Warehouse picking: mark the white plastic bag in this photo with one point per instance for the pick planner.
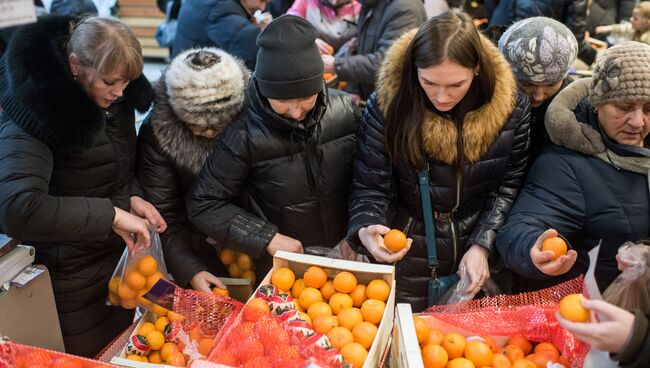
(631, 289)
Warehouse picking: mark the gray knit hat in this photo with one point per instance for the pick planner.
(539, 49)
(621, 74)
(206, 86)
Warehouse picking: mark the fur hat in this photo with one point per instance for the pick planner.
(206, 86)
(621, 74)
(539, 49)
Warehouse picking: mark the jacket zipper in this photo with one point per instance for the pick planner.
(459, 180)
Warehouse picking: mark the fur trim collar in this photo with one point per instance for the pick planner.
(186, 150)
(38, 92)
(481, 127)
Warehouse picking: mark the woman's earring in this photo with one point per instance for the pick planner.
(476, 74)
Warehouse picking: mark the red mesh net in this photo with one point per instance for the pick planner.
(24, 356)
(209, 311)
(529, 315)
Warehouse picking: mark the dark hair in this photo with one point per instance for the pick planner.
(432, 45)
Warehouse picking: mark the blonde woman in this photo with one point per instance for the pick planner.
(638, 29)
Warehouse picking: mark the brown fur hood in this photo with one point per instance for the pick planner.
(481, 127)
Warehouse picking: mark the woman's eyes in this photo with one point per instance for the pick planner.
(110, 83)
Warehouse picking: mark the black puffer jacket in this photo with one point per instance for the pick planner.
(484, 179)
(64, 164)
(270, 174)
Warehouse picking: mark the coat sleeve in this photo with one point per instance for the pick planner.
(499, 202)
(401, 17)
(625, 9)
(235, 35)
(212, 205)
(29, 213)
(161, 187)
(551, 198)
(636, 353)
(371, 177)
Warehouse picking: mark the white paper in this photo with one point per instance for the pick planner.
(15, 12)
(28, 274)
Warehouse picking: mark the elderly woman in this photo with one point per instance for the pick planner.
(593, 186)
(540, 51)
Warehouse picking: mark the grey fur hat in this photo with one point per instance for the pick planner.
(539, 49)
(206, 87)
(621, 74)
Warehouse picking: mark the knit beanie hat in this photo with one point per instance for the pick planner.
(206, 86)
(288, 62)
(621, 74)
(539, 49)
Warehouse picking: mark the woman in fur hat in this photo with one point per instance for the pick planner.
(592, 187)
(200, 93)
(67, 152)
(447, 113)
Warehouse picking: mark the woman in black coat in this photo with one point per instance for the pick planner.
(196, 98)
(458, 116)
(592, 188)
(67, 152)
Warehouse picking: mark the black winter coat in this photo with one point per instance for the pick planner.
(220, 23)
(64, 164)
(582, 197)
(636, 353)
(482, 182)
(270, 174)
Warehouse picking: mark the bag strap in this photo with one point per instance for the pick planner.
(427, 212)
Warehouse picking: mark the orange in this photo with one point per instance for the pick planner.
(354, 353)
(155, 339)
(350, 317)
(205, 345)
(500, 361)
(434, 356)
(421, 329)
(160, 311)
(227, 256)
(395, 240)
(141, 299)
(244, 262)
(175, 317)
(435, 337)
(196, 334)
(318, 309)
(147, 265)
(145, 328)
(296, 303)
(297, 288)
(137, 358)
(461, 363)
(524, 344)
(283, 278)
(161, 323)
(491, 343)
(114, 284)
(358, 295)
(547, 347)
(113, 299)
(167, 349)
(305, 317)
(572, 310)
(220, 291)
(323, 324)
(345, 282)
(125, 292)
(378, 289)
(373, 310)
(340, 301)
(176, 360)
(249, 274)
(309, 296)
(315, 277)
(255, 309)
(513, 352)
(364, 333)
(556, 245)
(455, 344)
(328, 289)
(523, 363)
(234, 270)
(340, 336)
(541, 359)
(129, 303)
(154, 357)
(479, 353)
(153, 279)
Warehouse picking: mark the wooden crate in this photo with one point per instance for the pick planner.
(143, 16)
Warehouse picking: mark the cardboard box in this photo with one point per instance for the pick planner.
(238, 289)
(364, 272)
(121, 359)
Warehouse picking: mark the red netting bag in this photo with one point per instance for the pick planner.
(528, 315)
(14, 355)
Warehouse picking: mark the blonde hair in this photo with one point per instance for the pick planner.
(106, 44)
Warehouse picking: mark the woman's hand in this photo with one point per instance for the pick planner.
(204, 280)
(324, 48)
(474, 265)
(611, 334)
(283, 242)
(145, 209)
(128, 225)
(543, 260)
(603, 29)
(372, 238)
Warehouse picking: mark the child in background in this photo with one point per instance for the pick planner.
(637, 30)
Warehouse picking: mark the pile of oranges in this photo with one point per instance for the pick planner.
(239, 265)
(345, 310)
(454, 350)
(140, 275)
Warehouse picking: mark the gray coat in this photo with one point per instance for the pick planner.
(380, 23)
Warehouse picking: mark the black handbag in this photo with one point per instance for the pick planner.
(438, 286)
(166, 32)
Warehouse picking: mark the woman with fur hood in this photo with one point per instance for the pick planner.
(447, 115)
(67, 152)
(200, 93)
